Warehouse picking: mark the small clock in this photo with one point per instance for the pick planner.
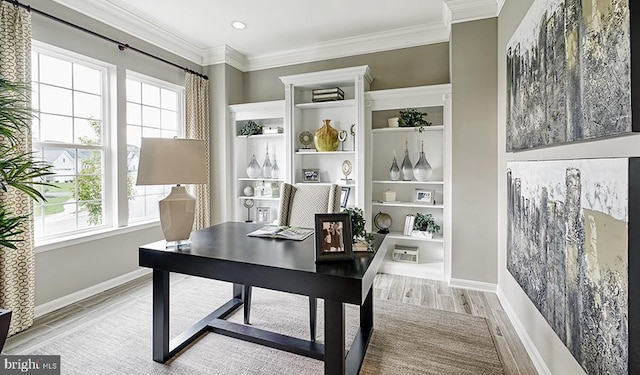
(305, 138)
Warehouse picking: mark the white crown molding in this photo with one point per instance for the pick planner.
(470, 10)
(500, 5)
(120, 18)
(369, 43)
(335, 75)
(224, 54)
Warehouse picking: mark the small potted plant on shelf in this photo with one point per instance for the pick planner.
(425, 225)
(251, 128)
(413, 118)
(360, 235)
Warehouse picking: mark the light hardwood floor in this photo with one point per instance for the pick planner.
(433, 294)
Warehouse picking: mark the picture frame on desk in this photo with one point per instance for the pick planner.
(310, 175)
(425, 196)
(333, 237)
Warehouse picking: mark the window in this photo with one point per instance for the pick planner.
(154, 109)
(69, 101)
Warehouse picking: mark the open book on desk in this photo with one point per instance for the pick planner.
(282, 232)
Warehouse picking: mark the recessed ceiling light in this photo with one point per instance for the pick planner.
(238, 25)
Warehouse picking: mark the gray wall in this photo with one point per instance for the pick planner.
(408, 67)
(474, 138)
(66, 270)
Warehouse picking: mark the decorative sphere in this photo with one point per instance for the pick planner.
(248, 191)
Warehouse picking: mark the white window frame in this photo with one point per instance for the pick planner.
(181, 127)
(108, 146)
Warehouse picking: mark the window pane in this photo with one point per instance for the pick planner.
(134, 136)
(150, 95)
(134, 93)
(169, 120)
(59, 218)
(87, 105)
(35, 96)
(136, 208)
(169, 99)
(152, 206)
(63, 161)
(151, 133)
(87, 79)
(55, 71)
(151, 117)
(55, 100)
(169, 133)
(90, 214)
(90, 164)
(134, 114)
(56, 128)
(87, 132)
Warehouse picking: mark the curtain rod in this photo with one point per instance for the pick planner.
(121, 46)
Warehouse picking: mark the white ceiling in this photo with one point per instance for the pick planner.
(282, 32)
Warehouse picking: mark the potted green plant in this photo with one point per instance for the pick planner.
(413, 118)
(18, 170)
(360, 235)
(251, 128)
(426, 225)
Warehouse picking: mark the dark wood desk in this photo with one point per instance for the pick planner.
(224, 252)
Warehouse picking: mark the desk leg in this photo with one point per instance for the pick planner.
(334, 352)
(160, 316)
(366, 314)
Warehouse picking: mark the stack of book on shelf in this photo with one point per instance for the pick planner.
(324, 95)
(409, 220)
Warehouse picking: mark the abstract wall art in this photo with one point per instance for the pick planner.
(572, 249)
(569, 73)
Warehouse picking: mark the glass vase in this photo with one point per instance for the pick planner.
(253, 169)
(275, 170)
(422, 170)
(266, 167)
(326, 138)
(407, 168)
(394, 172)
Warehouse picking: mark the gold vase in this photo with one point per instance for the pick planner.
(326, 138)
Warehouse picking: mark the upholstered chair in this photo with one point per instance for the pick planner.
(298, 206)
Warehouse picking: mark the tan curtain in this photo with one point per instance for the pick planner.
(17, 267)
(197, 119)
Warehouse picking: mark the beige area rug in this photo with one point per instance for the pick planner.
(407, 339)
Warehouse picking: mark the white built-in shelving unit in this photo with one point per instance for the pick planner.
(382, 143)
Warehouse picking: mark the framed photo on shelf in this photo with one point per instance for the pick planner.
(262, 214)
(425, 196)
(333, 237)
(310, 175)
(344, 196)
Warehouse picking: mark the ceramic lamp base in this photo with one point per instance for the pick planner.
(177, 213)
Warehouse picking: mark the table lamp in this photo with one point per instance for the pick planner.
(166, 161)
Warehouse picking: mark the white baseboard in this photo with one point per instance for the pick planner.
(69, 299)
(473, 285)
(529, 346)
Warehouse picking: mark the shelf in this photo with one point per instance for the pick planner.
(433, 271)
(258, 136)
(411, 129)
(400, 236)
(408, 204)
(259, 198)
(408, 182)
(326, 153)
(259, 179)
(328, 104)
(325, 183)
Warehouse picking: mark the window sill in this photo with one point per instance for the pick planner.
(62, 242)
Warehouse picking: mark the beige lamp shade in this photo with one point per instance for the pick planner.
(165, 161)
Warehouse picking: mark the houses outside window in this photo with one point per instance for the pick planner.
(69, 98)
(154, 109)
